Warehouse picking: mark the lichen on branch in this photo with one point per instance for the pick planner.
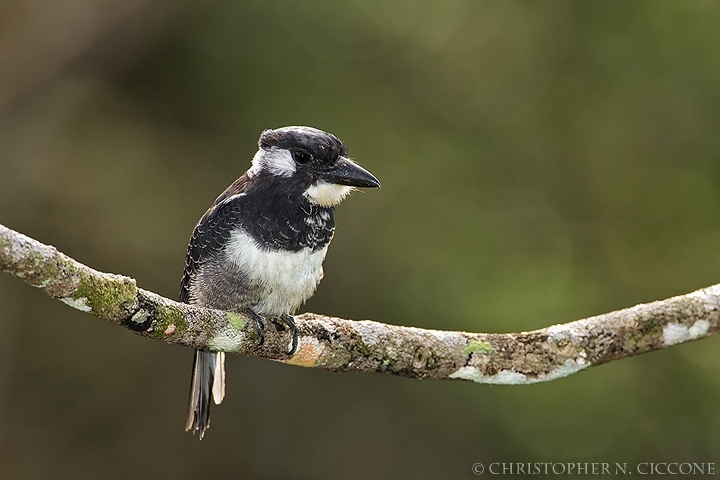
(366, 346)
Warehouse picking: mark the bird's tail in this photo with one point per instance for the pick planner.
(208, 376)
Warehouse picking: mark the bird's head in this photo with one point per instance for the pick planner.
(313, 161)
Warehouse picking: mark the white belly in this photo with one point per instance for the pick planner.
(285, 279)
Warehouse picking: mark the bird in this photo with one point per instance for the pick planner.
(258, 250)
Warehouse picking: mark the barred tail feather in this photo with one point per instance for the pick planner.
(218, 388)
(208, 378)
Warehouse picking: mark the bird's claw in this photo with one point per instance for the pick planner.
(258, 323)
(290, 322)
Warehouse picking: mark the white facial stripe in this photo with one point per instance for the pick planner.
(327, 194)
(287, 279)
(277, 161)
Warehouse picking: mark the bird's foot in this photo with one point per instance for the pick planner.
(258, 323)
(290, 322)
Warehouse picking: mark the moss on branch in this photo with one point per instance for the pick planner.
(345, 345)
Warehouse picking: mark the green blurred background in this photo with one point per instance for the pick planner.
(541, 162)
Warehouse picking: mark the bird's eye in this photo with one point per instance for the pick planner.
(301, 157)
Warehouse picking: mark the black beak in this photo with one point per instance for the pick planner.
(347, 172)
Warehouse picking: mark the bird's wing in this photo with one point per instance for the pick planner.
(212, 232)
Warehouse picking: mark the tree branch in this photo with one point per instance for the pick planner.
(361, 346)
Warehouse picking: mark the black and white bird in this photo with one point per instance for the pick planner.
(259, 248)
